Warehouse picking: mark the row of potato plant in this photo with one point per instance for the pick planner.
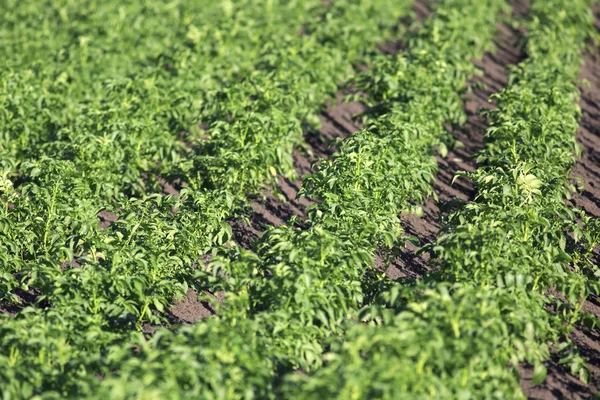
(93, 110)
(515, 265)
(57, 183)
(83, 120)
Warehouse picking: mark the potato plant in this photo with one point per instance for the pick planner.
(315, 279)
(110, 148)
(105, 102)
(300, 287)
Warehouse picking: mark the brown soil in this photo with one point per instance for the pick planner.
(107, 218)
(192, 308)
(24, 299)
(588, 137)
(558, 384)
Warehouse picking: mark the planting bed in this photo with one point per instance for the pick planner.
(293, 226)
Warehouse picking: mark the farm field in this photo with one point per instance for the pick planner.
(254, 199)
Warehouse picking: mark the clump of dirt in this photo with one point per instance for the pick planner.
(24, 298)
(558, 384)
(107, 218)
(191, 308)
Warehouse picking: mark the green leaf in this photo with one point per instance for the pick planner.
(159, 306)
(539, 374)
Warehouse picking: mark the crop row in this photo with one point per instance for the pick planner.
(93, 105)
(451, 335)
(54, 182)
(515, 267)
(116, 137)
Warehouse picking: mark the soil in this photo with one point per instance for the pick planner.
(192, 308)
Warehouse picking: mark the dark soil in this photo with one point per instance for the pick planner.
(191, 308)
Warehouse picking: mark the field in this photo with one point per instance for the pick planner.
(256, 199)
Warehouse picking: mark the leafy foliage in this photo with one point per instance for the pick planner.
(512, 281)
(303, 285)
(98, 129)
(103, 104)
